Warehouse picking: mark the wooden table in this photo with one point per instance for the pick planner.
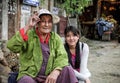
(88, 29)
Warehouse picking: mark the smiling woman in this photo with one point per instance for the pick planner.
(78, 53)
(43, 58)
(45, 25)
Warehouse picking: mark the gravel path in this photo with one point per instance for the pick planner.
(104, 61)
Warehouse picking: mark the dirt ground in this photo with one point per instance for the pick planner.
(104, 61)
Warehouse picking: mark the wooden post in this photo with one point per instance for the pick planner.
(4, 20)
(17, 16)
(98, 9)
(49, 4)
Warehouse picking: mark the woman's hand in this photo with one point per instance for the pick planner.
(52, 78)
(33, 20)
(87, 81)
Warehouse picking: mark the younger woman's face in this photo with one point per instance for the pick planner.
(71, 39)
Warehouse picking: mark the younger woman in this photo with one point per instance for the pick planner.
(77, 53)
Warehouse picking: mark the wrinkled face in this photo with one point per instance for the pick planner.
(45, 24)
(71, 39)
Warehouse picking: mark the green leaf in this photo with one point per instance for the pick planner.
(74, 6)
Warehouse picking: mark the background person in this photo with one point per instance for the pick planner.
(78, 53)
(43, 58)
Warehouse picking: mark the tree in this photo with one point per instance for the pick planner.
(71, 6)
(74, 7)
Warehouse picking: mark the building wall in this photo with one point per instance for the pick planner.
(0, 18)
(4, 30)
(13, 23)
(11, 26)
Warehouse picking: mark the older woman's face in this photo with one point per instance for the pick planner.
(45, 24)
(71, 39)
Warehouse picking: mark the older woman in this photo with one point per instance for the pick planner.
(43, 58)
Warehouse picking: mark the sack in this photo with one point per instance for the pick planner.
(12, 77)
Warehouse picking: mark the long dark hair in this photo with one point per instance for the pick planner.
(76, 32)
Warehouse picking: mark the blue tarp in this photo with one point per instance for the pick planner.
(103, 25)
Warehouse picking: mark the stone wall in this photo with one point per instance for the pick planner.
(8, 62)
